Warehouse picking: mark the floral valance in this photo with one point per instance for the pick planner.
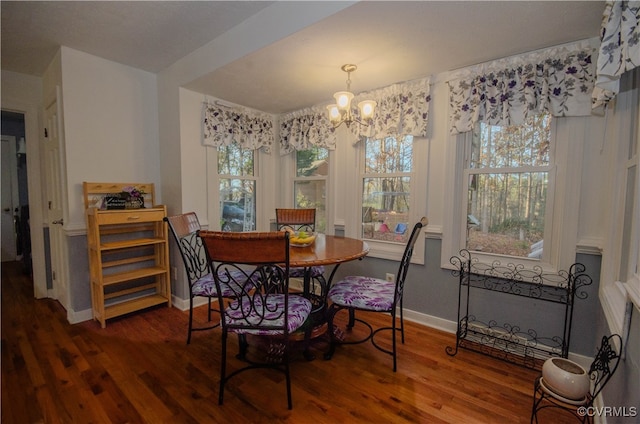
(558, 80)
(305, 128)
(619, 48)
(250, 129)
(403, 109)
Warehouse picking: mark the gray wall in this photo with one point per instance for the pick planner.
(433, 291)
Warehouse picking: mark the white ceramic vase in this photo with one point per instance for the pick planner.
(566, 378)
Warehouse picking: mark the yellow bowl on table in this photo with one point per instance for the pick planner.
(301, 238)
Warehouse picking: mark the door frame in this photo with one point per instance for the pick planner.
(13, 191)
(33, 133)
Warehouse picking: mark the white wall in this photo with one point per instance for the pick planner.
(110, 125)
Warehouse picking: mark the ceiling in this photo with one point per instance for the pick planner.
(390, 41)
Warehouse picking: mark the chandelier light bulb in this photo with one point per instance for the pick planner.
(340, 112)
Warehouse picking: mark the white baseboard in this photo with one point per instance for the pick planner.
(74, 317)
(431, 321)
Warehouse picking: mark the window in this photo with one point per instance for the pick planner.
(507, 178)
(538, 215)
(620, 280)
(310, 183)
(237, 188)
(386, 189)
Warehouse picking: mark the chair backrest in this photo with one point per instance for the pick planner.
(255, 265)
(406, 258)
(296, 219)
(604, 364)
(184, 228)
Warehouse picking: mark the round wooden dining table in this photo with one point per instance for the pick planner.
(326, 250)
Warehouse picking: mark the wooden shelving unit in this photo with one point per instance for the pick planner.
(128, 253)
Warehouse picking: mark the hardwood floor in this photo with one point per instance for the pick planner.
(140, 370)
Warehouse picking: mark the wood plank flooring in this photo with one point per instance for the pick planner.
(140, 370)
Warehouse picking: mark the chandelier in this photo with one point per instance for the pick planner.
(341, 112)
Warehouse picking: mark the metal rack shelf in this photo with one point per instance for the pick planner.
(507, 341)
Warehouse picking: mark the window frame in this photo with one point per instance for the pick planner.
(617, 294)
(567, 134)
(213, 188)
(417, 203)
(550, 168)
(325, 178)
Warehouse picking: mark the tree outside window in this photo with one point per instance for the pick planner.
(312, 168)
(386, 188)
(507, 175)
(237, 186)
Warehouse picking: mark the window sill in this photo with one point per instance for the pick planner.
(394, 251)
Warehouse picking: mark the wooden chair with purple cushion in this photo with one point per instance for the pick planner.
(256, 266)
(299, 219)
(360, 293)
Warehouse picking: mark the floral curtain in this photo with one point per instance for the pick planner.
(304, 128)
(250, 129)
(403, 109)
(505, 92)
(619, 48)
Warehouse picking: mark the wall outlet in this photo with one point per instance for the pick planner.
(390, 277)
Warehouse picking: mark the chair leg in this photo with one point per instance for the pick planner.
(401, 322)
(223, 367)
(331, 313)
(287, 374)
(393, 340)
(190, 329)
(209, 309)
(352, 319)
(242, 347)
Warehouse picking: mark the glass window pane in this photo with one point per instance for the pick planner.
(385, 208)
(506, 213)
(388, 155)
(312, 162)
(311, 194)
(237, 205)
(232, 160)
(512, 146)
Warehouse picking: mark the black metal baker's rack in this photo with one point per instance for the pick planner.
(506, 341)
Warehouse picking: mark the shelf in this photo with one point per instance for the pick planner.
(132, 275)
(506, 341)
(133, 305)
(127, 244)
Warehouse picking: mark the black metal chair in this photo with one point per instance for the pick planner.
(600, 372)
(359, 293)
(256, 266)
(184, 228)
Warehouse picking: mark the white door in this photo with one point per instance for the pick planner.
(53, 169)
(10, 200)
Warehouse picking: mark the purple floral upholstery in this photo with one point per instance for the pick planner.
(205, 286)
(299, 309)
(316, 271)
(359, 292)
